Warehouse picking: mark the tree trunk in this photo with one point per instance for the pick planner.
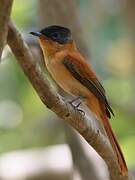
(62, 12)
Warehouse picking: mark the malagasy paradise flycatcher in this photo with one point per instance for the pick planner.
(75, 76)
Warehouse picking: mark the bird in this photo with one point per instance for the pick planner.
(74, 75)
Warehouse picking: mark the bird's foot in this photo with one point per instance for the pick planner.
(76, 107)
(81, 111)
(73, 100)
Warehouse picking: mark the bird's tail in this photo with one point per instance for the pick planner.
(95, 107)
(115, 146)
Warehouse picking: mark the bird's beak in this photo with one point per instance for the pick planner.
(38, 34)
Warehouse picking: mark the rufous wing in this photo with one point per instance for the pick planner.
(83, 73)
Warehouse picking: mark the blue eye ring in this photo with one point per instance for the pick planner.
(55, 35)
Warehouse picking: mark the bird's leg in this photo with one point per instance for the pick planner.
(80, 110)
(73, 100)
(77, 106)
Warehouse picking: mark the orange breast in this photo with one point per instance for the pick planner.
(65, 80)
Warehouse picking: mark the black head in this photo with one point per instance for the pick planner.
(59, 34)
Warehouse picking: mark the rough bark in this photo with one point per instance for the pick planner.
(82, 161)
(5, 10)
(52, 12)
(86, 126)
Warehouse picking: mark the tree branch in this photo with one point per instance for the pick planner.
(82, 161)
(86, 126)
(5, 9)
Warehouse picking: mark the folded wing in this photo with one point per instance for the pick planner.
(82, 72)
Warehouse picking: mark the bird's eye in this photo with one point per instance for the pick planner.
(56, 35)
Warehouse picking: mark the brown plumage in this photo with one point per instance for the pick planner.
(74, 75)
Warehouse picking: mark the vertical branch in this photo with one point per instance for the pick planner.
(63, 13)
(86, 126)
(5, 10)
(128, 17)
(60, 12)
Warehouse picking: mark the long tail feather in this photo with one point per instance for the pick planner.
(97, 109)
(115, 146)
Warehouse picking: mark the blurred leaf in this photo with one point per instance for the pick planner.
(24, 13)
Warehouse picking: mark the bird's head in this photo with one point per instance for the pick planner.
(54, 38)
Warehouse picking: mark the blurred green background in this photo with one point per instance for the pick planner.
(110, 39)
